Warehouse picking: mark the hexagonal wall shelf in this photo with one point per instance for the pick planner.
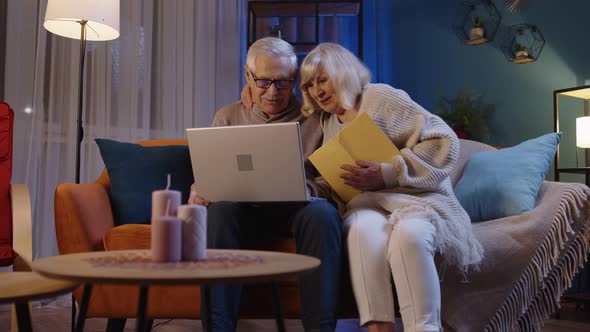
(523, 43)
(477, 22)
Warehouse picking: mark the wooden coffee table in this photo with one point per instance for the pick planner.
(134, 267)
(21, 287)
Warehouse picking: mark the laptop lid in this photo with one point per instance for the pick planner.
(253, 163)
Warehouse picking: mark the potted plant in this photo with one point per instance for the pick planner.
(477, 31)
(466, 114)
(521, 51)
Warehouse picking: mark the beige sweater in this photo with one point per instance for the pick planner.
(236, 115)
(417, 181)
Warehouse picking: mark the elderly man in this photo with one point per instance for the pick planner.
(271, 69)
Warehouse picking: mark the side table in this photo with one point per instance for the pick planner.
(21, 287)
(135, 267)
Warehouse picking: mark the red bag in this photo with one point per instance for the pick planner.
(7, 255)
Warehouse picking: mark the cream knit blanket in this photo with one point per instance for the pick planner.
(530, 261)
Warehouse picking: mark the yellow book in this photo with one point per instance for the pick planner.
(361, 139)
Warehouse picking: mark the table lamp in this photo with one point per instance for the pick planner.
(94, 20)
(582, 134)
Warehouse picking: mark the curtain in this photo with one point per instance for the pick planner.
(175, 63)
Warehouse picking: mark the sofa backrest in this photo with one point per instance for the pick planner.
(467, 149)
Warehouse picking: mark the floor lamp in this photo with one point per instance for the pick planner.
(94, 20)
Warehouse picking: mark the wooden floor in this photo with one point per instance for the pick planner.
(57, 318)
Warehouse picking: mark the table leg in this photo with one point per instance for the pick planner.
(150, 325)
(278, 309)
(23, 317)
(73, 313)
(142, 309)
(205, 308)
(84, 307)
(116, 324)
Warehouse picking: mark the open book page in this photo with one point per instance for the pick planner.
(361, 139)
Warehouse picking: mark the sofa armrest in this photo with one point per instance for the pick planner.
(83, 215)
(22, 227)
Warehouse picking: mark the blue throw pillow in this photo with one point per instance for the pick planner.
(502, 183)
(135, 171)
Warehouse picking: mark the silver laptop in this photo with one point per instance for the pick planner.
(254, 163)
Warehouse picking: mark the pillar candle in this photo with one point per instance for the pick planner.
(166, 227)
(166, 239)
(194, 232)
(160, 199)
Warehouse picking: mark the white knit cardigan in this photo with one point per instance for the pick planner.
(417, 181)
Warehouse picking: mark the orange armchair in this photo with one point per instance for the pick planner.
(84, 222)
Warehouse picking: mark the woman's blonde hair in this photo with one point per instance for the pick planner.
(348, 74)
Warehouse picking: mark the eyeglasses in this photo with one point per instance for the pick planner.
(264, 83)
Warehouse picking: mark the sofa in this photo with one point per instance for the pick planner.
(488, 299)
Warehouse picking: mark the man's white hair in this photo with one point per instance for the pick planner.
(271, 46)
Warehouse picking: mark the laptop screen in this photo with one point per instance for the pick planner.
(254, 163)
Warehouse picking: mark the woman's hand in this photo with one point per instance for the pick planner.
(194, 198)
(246, 97)
(366, 177)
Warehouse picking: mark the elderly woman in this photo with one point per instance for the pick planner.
(407, 211)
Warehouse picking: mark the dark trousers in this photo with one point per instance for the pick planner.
(317, 230)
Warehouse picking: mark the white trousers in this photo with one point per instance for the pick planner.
(405, 251)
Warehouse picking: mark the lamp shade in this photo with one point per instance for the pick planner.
(62, 16)
(583, 132)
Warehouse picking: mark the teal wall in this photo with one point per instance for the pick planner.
(411, 44)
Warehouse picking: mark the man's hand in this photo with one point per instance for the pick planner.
(194, 198)
(246, 97)
(366, 177)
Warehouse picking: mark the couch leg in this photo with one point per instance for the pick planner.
(116, 324)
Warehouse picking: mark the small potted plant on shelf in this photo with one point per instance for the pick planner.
(477, 31)
(466, 114)
(521, 51)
